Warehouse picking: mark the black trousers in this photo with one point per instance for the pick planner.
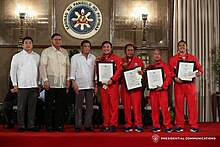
(54, 106)
(39, 113)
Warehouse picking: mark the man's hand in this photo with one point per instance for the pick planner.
(198, 74)
(178, 80)
(76, 89)
(14, 90)
(67, 86)
(109, 82)
(159, 88)
(95, 89)
(98, 58)
(124, 64)
(140, 72)
(39, 88)
(46, 85)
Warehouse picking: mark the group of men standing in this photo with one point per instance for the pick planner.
(55, 72)
(29, 71)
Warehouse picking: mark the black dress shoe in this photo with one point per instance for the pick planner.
(104, 129)
(112, 128)
(59, 129)
(21, 129)
(38, 127)
(49, 129)
(89, 129)
(77, 129)
(34, 129)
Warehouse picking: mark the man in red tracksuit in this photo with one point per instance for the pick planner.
(159, 96)
(109, 91)
(131, 98)
(184, 90)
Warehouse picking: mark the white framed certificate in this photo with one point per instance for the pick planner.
(185, 70)
(155, 78)
(132, 78)
(105, 71)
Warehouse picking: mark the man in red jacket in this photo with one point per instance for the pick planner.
(109, 91)
(131, 98)
(185, 90)
(159, 96)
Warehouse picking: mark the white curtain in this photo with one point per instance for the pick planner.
(197, 22)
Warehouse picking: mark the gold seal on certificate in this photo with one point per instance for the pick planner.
(186, 70)
(105, 71)
(155, 78)
(132, 78)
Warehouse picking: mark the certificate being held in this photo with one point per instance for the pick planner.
(155, 78)
(105, 71)
(132, 78)
(186, 70)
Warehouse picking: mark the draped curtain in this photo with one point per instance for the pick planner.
(197, 22)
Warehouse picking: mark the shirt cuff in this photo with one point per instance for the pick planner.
(15, 84)
(72, 78)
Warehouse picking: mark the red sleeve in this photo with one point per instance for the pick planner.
(198, 66)
(168, 76)
(118, 71)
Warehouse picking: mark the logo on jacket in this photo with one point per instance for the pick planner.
(82, 19)
(135, 64)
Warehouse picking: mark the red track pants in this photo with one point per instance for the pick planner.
(132, 99)
(109, 103)
(188, 91)
(159, 99)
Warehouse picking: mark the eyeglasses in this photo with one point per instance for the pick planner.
(57, 39)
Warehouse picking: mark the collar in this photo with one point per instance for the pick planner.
(81, 54)
(157, 63)
(127, 59)
(154, 65)
(187, 54)
(56, 49)
(104, 57)
(25, 52)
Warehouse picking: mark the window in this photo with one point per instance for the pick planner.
(129, 23)
(36, 21)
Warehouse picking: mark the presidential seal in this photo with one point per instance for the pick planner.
(155, 138)
(82, 19)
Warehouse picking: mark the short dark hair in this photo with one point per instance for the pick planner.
(126, 46)
(27, 38)
(55, 34)
(86, 41)
(106, 42)
(181, 42)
